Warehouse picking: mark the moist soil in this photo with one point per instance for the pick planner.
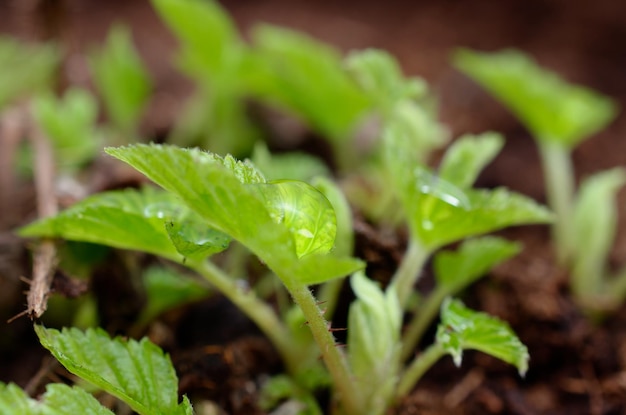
(578, 363)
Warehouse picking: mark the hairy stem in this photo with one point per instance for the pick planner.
(334, 358)
(257, 310)
(559, 182)
(409, 271)
(417, 368)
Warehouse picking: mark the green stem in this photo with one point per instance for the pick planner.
(560, 185)
(409, 271)
(417, 368)
(333, 357)
(256, 310)
(425, 315)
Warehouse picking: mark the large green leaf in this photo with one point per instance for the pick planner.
(59, 399)
(440, 213)
(552, 109)
(461, 329)
(467, 156)
(137, 372)
(307, 77)
(122, 80)
(135, 220)
(236, 208)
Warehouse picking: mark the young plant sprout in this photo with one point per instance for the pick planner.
(560, 116)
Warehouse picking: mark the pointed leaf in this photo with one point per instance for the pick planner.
(139, 373)
(552, 109)
(59, 399)
(473, 259)
(121, 78)
(462, 329)
(467, 156)
(440, 213)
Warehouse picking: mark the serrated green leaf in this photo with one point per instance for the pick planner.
(137, 372)
(595, 223)
(59, 399)
(121, 79)
(25, 68)
(70, 124)
(463, 329)
(473, 259)
(307, 77)
(440, 213)
(166, 289)
(379, 75)
(232, 207)
(305, 211)
(552, 109)
(467, 156)
(132, 219)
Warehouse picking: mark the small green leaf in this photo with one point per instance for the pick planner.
(379, 75)
(26, 68)
(122, 79)
(463, 329)
(139, 373)
(467, 156)
(193, 239)
(59, 399)
(473, 259)
(167, 289)
(594, 228)
(552, 109)
(440, 213)
(374, 323)
(70, 125)
(305, 211)
(307, 77)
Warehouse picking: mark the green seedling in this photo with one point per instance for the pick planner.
(560, 116)
(122, 81)
(137, 373)
(25, 69)
(292, 227)
(213, 55)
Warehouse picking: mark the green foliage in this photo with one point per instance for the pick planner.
(292, 165)
(139, 373)
(121, 79)
(293, 62)
(59, 399)
(25, 69)
(69, 123)
(552, 109)
(463, 329)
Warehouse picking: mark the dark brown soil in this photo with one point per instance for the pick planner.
(577, 366)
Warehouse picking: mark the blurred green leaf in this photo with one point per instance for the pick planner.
(59, 399)
(292, 165)
(306, 77)
(137, 372)
(121, 79)
(467, 156)
(473, 259)
(552, 109)
(25, 69)
(70, 123)
(462, 329)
